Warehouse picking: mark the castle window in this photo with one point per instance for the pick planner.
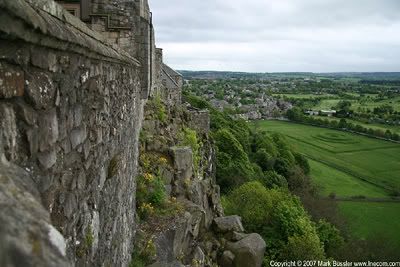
(78, 8)
(72, 11)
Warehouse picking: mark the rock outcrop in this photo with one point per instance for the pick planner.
(200, 234)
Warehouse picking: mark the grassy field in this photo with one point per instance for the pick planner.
(373, 219)
(373, 102)
(304, 96)
(375, 161)
(351, 165)
(331, 180)
(395, 129)
(327, 104)
(330, 101)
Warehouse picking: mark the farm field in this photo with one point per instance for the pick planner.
(327, 104)
(373, 103)
(350, 165)
(375, 161)
(369, 101)
(373, 219)
(304, 96)
(331, 180)
(395, 129)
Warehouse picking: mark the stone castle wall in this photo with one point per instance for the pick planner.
(71, 112)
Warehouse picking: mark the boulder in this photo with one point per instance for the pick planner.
(182, 158)
(228, 224)
(27, 237)
(167, 264)
(227, 259)
(249, 251)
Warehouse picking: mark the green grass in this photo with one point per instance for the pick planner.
(373, 102)
(327, 104)
(372, 219)
(304, 96)
(376, 161)
(383, 127)
(341, 162)
(331, 180)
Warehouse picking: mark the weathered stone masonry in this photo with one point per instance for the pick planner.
(72, 98)
(70, 116)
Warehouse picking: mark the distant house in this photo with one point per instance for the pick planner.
(328, 113)
(312, 112)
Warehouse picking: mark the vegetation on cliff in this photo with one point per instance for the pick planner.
(259, 174)
(265, 181)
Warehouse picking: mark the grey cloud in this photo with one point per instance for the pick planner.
(279, 35)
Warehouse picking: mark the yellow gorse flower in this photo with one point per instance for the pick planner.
(163, 160)
(148, 177)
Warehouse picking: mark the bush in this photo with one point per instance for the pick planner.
(188, 137)
(278, 217)
(330, 237)
(271, 179)
(158, 107)
(233, 165)
(150, 194)
(253, 203)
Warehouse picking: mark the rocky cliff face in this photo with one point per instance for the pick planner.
(197, 233)
(71, 112)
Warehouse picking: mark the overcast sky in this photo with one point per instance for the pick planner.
(279, 35)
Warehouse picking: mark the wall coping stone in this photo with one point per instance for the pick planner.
(45, 23)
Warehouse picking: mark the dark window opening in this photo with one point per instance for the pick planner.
(72, 11)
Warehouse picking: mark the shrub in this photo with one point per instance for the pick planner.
(150, 190)
(233, 165)
(158, 108)
(188, 137)
(330, 237)
(271, 179)
(279, 217)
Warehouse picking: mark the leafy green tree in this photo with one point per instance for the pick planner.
(344, 105)
(264, 159)
(271, 179)
(304, 247)
(278, 217)
(233, 165)
(302, 162)
(330, 237)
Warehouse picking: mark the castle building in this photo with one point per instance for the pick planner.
(128, 25)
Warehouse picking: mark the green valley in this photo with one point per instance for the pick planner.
(362, 173)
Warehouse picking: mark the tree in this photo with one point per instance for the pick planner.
(302, 162)
(295, 114)
(330, 237)
(271, 179)
(344, 105)
(233, 165)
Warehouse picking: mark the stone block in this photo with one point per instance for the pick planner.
(48, 129)
(249, 251)
(228, 224)
(8, 133)
(227, 259)
(40, 89)
(26, 113)
(78, 136)
(182, 158)
(47, 159)
(44, 59)
(12, 81)
(33, 140)
(77, 115)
